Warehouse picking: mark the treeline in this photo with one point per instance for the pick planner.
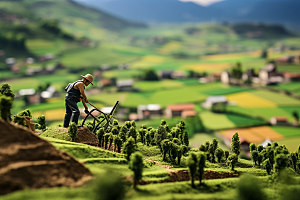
(13, 40)
(53, 27)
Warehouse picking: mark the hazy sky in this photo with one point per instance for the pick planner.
(202, 2)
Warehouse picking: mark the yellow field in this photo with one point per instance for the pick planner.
(52, 115)
(231, 56)
(255, 135)
(206, 67)
(170, 47)
(153, 59)
(248, 100)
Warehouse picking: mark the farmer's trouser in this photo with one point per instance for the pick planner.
(71, 108)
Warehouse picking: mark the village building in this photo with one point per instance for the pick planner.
(213, 100)
(148, 111)
(288, 76)
(125, 85)
(276, 120)
(178, 75)
(104, 83)
(175, 110)
(225, 77)
(29, 96)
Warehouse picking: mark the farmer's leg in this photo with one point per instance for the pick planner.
(68, 114)
(75, 110)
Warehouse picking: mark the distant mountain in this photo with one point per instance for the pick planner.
(164, 11)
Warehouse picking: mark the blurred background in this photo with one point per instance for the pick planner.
(221, 65)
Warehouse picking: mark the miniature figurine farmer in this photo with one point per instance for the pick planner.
(75, 93)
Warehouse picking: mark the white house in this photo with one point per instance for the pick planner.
(210, 101)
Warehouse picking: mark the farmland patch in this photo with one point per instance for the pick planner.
(240, 120)
(157, 85)
(277, 98)
(216, 121)
(206, 67)
(292, 143)
(51, 115)
(248, 100)
(287, 131)
(225, 91)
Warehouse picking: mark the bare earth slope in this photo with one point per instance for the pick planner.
(27, 161)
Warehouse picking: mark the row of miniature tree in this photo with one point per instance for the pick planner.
(275, 154)
(173, 141)
(212, 151)
(7, 97)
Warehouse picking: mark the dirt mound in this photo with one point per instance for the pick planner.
(183, 175)
(84, 135)
(27, 161)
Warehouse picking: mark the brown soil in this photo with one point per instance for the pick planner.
(84, 135)
(183, 175)
(27, 161)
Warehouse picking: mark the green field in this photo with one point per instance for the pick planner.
(279, 99)
(288, 131)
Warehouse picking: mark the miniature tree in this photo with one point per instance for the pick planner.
(5, 106)
(293, 158)
(252, 147)
(118, 142)
(115, 131)
(115, 122)
(206, 144)
(136, 165)
(202, 148)
(160, 135)
(281, 162)
(254, 156)
(133, 124)
(201, 165)
(226, 154)
(6, 91)
(169, 136)
(106, 140)
(100, 135)
(42, 122)
(123, 133)
(259, 148)
(260, 158)
(274, 145)
(173, 151)
(129, 147)
(232, 160)
(142, 133)
(270, 154)
(132, 133)
(165, 144)
(212, 148)
(219, 154)
(180, 151)
(192, 162)
(73, 131)
(110, 140)
(148, 138)
(127, 124)
(236, 144)
(267, 166)
(144, 126)
(163, 122)
(186, 139)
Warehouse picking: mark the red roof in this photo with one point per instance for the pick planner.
(291, 75)
(282, 119)
(188, 113)
(181, 107)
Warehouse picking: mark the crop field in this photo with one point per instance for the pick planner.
(255, 135)
(217, 121)
(248, 100)
(287, 132)
(292, 143)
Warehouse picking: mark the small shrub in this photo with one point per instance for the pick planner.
(165, 144)
(201, 165)
(73, 131)
(249, 188)
(267, 166)
(192, 164)
(252, 147)
(132, 133)
(100, 135)
(42, 122)
(219, 154)
(226, 154)
(118, 143)
(110, 140)
(281, 162)
(232, 160)
(254, 156)
(136, 165)
(259, 148)
(6, 103)
(129, 147)
(148, 138)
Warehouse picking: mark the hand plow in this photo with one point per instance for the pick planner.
(104, 120)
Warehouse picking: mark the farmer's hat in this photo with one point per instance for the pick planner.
(89, 78)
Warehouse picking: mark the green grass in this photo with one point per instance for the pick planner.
(243, 121)
(292, 86)
(201, 138)
(225, 91)
(279, 99)
(157, 85)
(292, 143)
(287, 131)
(216, 121)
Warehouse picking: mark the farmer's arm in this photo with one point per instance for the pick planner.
(84, 104)
(81, 89)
